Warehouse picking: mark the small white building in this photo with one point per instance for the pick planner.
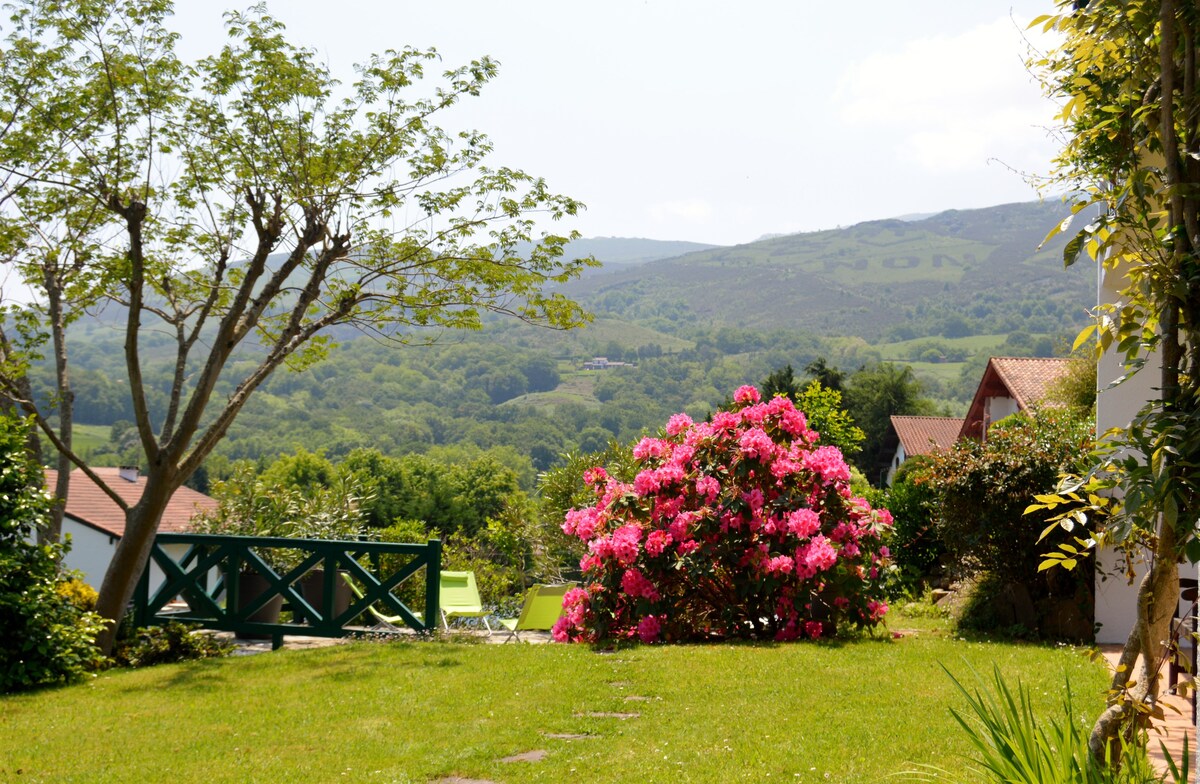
(910, 436)
(95, 523)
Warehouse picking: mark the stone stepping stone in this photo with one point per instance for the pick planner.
(569, 735)
(461, 780)
(638, 698)
(606, 715)
(619, 684)
(537, 755)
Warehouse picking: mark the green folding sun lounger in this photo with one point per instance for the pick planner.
(542, 609)
(459, 598)
(385, 622)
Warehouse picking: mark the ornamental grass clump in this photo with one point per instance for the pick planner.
(741, 527)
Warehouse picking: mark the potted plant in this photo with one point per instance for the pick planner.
(246, 506)
(332, 513)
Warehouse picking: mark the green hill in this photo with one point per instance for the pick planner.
(954, 274)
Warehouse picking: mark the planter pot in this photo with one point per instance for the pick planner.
(251, 585)
(312, 587)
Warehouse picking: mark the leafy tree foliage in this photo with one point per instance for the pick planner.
(245, 201)
(915, 545)
(1126, 74)
(447, 498)
(48, 639)
(781, 381)
(874, 394)
(823, 407)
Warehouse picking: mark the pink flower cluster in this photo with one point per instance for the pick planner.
(743, 526)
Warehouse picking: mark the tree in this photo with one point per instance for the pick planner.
(982, 489)
(1127, 74)
(874, 394)
(781, 381)
(245, 204)
(823, 407)
(829, 376)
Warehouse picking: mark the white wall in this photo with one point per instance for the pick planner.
(1116, 600)
(996, 408)
(91, 551)
(897, 461)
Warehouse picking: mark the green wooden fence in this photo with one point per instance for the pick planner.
(314, 589)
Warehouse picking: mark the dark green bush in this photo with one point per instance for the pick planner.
(171, 642)
(916, 549)
(46, 639)
(981, 493)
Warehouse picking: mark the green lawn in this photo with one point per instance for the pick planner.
(849, 711)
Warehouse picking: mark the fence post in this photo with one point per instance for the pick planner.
(433, 576)
(141, 596)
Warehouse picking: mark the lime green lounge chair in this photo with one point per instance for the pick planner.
(393, 623)
(459, 598)
(542, 609)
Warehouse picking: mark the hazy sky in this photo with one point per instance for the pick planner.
(717, 121)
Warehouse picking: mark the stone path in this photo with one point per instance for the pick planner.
(534, 756)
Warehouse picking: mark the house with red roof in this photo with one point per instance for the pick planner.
(910, 436)
(95, 522)
(1009, 385)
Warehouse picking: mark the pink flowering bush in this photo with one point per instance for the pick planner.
(739, 527)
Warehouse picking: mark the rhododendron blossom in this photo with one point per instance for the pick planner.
(743, 526)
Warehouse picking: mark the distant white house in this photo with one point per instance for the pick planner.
(602, 363)
(1010, 385)
(918, 435)
(95, 523)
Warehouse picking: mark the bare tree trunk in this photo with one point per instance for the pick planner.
(1135, 681)
(131, 555)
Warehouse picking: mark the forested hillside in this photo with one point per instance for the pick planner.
(939, 294)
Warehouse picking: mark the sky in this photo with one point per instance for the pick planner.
(723, 122)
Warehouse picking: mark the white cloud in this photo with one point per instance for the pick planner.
(949, 103)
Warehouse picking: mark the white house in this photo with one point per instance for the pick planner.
(1116, 598)
(910, 436)
(95, 523)
(1010, 385)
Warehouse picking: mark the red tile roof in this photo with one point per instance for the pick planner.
(920, 435)
(87, 503)
(1025, 379)
(1030, 378)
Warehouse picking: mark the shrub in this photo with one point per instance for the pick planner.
(738, 527)
(915, 546)
(78, 593)
(171, 642)
(984, 488)
(562, 489)
(982, 491)
(47, 639)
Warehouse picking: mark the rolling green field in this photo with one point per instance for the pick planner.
(90, 438)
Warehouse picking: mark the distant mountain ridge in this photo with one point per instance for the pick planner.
(983, 266)
(618, 253)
